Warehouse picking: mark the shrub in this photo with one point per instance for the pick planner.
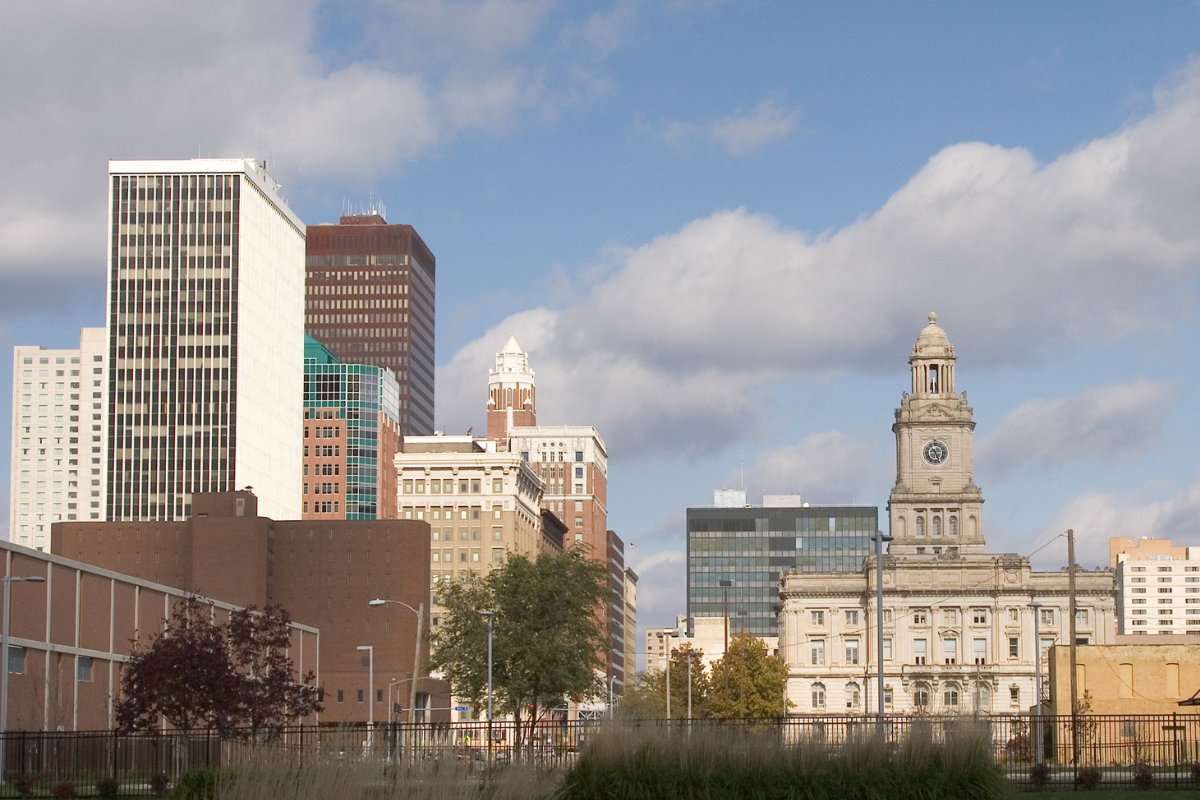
(1039, 775)
(1088, 778)
(64, 790)
(24, 784)
(1196, 772)
(160, 784)
(196, 784)
(1143, 776)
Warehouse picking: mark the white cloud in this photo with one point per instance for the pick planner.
(824, 468)
(1097, 516)
(677, 348)
(1111, 423)
(741, 134)
(661, 591)
(136, 79)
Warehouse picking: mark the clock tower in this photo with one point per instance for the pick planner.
(935, 508)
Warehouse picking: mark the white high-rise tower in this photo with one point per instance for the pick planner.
(206, 338)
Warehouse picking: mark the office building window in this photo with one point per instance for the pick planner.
(818, 695)
(852, 651)
(818, 652)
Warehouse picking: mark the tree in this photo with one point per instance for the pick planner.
(547, 634)
(267, 696)
(747, 682)
(646, 696)
(198, 674)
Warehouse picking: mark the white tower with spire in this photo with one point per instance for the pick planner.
(512, 394)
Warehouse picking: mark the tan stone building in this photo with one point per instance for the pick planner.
(1131, 676)
(958, 629)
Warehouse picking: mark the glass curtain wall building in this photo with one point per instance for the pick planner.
(351, 436)
(205, 325)
(751, 546)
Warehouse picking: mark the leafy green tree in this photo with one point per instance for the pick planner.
(547, 633)
(646, 696)
(747, 682)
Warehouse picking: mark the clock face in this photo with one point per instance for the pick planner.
(936, 453)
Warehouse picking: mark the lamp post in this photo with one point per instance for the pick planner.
(420, 612)
(1037, 668)
(489, 615)
(880, 537)
(8, 581)
(370, 684)
(725, 611)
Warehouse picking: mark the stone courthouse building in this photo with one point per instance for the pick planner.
(958, 629)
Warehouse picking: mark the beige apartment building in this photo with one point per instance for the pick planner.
(1158, 587)
(958, 622)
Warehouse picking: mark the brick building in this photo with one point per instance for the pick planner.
(370, 291)
(71, 633)
(323, 571)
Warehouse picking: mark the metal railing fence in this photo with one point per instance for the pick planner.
(1118, 748)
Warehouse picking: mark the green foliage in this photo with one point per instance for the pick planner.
(720, 764)
(1143, 776)
(1089, 778)
(747, 682)
(546, 636)
(197, 784)
(160, 784)
(25, 784)
(64, 790)
(198, 674)
(108, 788)
(1039, 775)
(646, 697)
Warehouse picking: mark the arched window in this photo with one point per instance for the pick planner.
(953, 525)
(853, 696)
(983, 697)
(921, 695)
(818, 695)
(937, 524)
(950, 697)
(920, 525)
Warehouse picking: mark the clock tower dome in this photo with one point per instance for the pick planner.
(935, 507)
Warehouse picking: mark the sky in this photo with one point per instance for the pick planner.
(716, 227)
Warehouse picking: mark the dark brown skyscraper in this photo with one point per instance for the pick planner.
(369, 298)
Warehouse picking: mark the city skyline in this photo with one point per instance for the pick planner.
(715, 229)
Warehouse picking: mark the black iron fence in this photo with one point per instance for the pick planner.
(1033, 751)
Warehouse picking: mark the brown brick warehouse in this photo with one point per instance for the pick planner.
(323, 572)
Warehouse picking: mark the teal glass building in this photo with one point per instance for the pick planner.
(352, 412)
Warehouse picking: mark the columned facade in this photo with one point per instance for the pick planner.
(958, 627)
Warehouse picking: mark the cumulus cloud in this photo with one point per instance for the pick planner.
(739, 134)
(824, 468)
(745, 133)
(1097, 516)
(137, 79)
(661, 591)
(679, 345)
(1109, 423)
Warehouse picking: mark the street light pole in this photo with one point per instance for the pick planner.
(667, 644)
(370, 683)
(880, 537)
(8, 581)
(489, 615)
(420, 612)
(1037, 668)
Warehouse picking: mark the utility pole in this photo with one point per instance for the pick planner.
(1074, 662)
(1037, 668)
(880, 538)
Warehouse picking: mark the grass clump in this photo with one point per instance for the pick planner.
(720, 764)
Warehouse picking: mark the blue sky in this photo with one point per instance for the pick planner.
(716, 227)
